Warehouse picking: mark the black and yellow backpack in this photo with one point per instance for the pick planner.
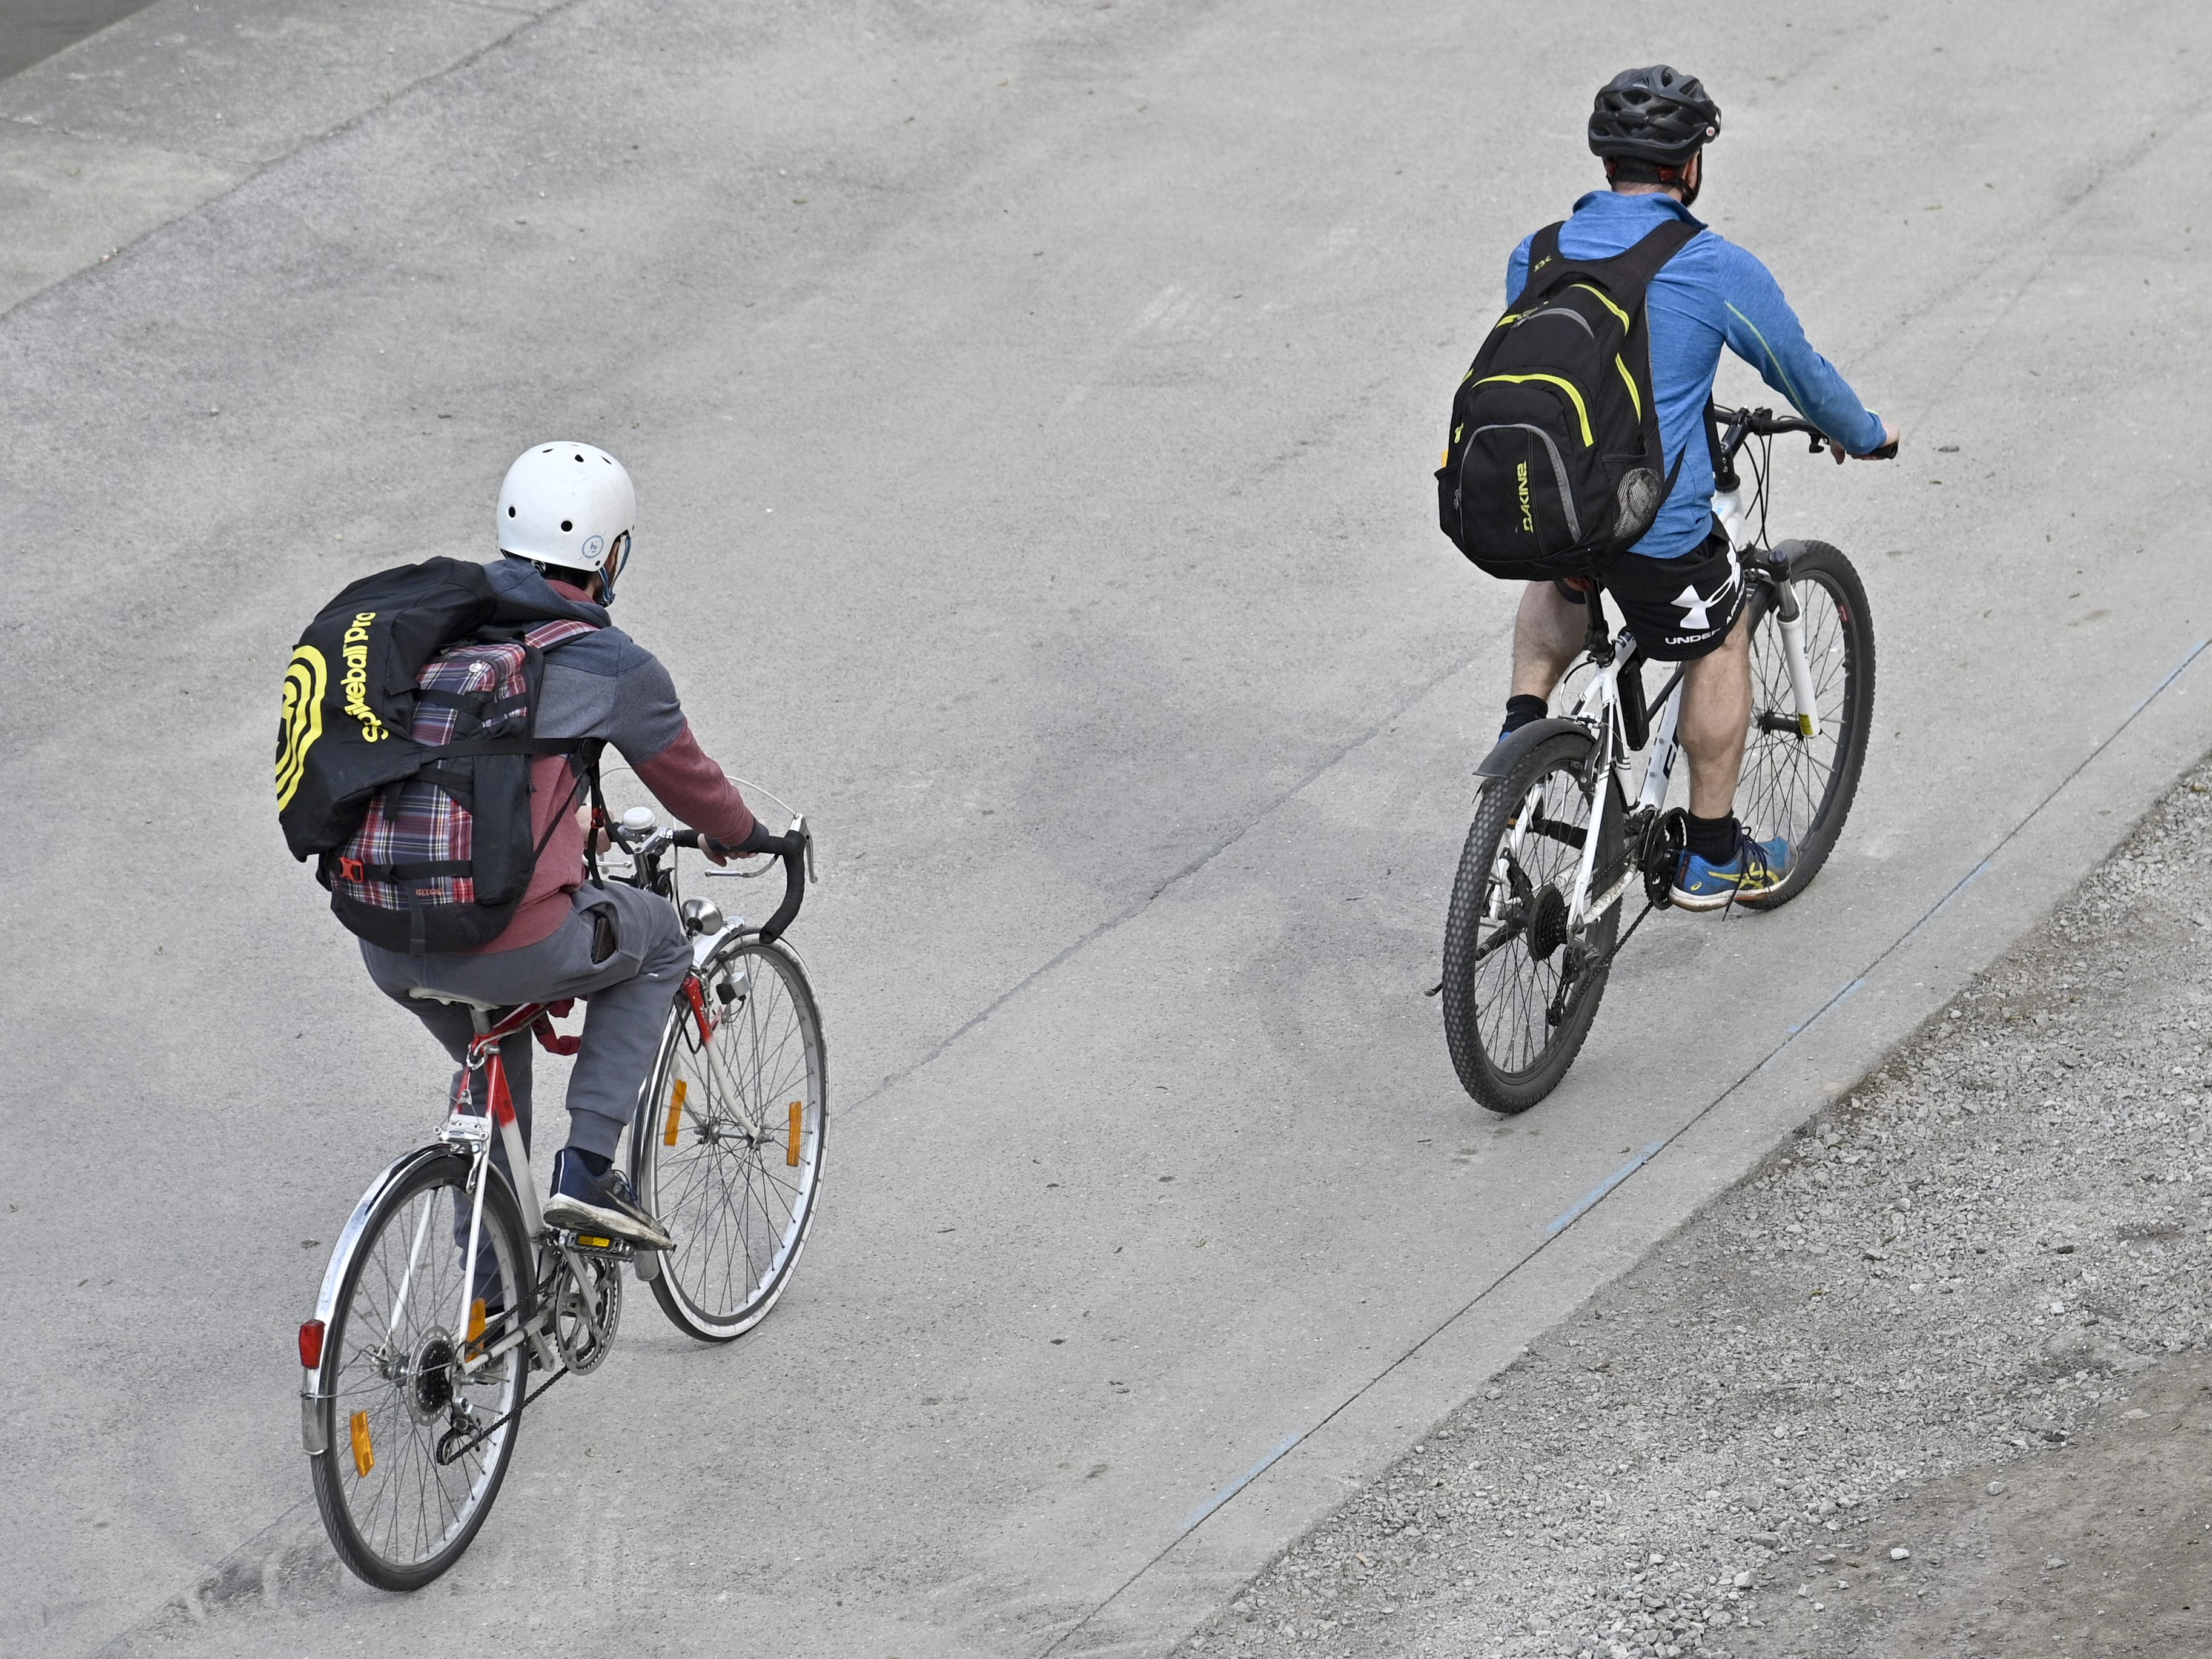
(1553, 462)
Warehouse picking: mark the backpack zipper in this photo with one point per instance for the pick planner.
(1581, 411)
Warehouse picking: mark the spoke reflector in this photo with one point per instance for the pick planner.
(364, 1454)
(476, 1322)
(311, 1344)
(791, 1140)
(674, 1112)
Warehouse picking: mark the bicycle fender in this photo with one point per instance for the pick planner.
(1515, 744)
(1783, 555)
(326, 1300)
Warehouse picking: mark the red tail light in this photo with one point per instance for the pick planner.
(311, 1344)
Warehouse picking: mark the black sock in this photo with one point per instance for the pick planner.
(1520, 710)
(1712, 840)
(595, 1163)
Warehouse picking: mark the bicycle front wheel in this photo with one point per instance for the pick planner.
(1796, 787)
(728, 1153)
(415, 1438)
(1520, 985)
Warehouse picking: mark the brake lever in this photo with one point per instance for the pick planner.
(799, 828)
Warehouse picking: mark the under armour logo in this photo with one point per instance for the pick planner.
(1695, 606)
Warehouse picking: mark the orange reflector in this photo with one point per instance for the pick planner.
(595, 1243)
(674, 1112)
(364, 1454)
(476, 1322)
(311, 1344)
(791, 1140)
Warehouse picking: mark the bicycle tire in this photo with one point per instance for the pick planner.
(739, 1206)
(1507, 1068)
(1793, 786)
(380, 1401)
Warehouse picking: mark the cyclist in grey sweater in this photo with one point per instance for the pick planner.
(565, 518)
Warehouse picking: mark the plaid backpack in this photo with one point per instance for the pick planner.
(445, 853)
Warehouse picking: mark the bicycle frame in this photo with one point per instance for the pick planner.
(473, 1132)
(1599, 709)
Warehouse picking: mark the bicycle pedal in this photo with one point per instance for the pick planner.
(618, 1249)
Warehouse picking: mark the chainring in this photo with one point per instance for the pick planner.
(599, 1288)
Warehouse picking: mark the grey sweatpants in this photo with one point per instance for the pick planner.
(627, 995)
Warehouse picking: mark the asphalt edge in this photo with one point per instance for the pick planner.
(209, 30)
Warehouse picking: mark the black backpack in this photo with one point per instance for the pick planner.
(403, 756)
(1552, 462)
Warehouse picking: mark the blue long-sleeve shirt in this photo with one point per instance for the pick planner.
(1710, 293)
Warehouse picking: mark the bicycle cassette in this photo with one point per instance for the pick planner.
(1665, 840)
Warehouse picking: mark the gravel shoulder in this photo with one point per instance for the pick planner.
(1929, 1382)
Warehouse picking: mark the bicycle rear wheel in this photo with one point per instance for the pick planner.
(1521, 987)
(1796, 786)
(414, 1445)
(729, 1155)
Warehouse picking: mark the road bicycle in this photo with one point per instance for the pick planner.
(449, 1305)
(1556, 847)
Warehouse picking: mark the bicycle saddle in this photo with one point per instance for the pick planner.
(423, 993)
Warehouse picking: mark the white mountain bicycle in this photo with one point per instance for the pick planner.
(1555, 846)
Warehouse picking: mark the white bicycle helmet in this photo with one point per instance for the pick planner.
(570, 506)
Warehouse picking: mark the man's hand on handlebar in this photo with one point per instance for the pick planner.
(1885, 451)
(761, 839)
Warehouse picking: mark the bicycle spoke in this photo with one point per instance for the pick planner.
(737, 1207)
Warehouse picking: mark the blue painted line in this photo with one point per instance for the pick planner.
(1240, 1482)
(1589, 1199)
(2170, 678)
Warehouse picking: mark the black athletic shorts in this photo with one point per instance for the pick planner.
(1678, 608)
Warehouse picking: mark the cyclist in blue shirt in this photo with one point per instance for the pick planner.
(1680, 588)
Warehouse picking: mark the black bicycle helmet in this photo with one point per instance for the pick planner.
(1656, 114)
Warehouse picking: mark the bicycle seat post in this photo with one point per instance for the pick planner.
(1596, 639)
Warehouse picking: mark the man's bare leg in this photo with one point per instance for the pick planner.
(1546, 633)
(1715, 719)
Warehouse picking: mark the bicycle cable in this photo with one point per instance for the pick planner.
(1759, 463)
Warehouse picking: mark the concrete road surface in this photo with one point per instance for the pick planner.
(32, 29)
(1033, 408)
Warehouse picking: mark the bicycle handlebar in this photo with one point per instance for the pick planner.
(1739, 424)
(798, 856)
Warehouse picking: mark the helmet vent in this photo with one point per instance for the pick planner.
(580, 458)
(510, 512)
(567, 524)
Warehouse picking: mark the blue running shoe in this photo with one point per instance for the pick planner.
(1758, 868)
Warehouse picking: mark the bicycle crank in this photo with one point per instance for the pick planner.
(586, 1303)
(1666, 838)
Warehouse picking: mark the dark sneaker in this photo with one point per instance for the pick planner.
(1758, 868)
(600, 1206)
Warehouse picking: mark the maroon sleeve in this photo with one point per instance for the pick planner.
(692, 786)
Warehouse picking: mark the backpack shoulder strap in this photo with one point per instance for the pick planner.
(1543, 254)
(1628, 274)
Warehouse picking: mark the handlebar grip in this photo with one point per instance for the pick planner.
(796, 841)
(1887, 452)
